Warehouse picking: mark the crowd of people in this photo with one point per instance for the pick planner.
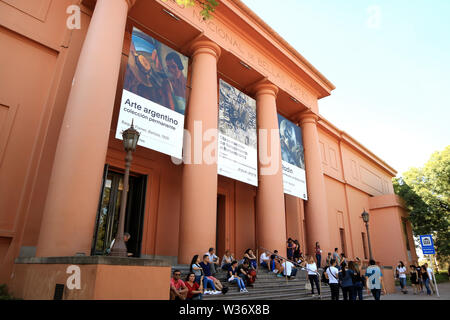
(420, 276)
(340, 273)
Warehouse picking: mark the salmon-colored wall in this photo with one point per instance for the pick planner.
(99, 282)
(34, 86)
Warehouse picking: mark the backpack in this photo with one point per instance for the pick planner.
(324, 279)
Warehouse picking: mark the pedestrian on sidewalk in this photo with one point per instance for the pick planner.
(401, 270)
(374, 280)
(425, 279)
(431, 276)
(414, 279)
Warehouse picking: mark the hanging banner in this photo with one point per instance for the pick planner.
(237, 154)
(154, 95)
(292, 158)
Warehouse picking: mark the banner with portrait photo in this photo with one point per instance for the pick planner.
(292, 159)
(237, 153)
(154, 95)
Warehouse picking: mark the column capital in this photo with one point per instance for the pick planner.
(265, 88)
(205, 46)
(308, 117)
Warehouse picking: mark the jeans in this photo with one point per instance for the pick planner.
(206, 281)
(239, 282)
(376, 293)
(253, 264)
(348, 293)
(314, 279)
(358, 291)
(319, 259)
(334, 287)
(402, 283)
(427, 285)
(264, 264)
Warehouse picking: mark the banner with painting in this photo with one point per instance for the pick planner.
(154, 95)
(237, 153)
(292, 158)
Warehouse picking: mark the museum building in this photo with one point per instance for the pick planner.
(62, 166)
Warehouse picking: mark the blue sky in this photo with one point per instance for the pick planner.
(389, 61)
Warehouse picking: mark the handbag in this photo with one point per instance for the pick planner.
(307, 283)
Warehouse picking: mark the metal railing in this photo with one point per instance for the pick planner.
(291, 261)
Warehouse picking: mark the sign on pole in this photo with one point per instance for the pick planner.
(426, 241)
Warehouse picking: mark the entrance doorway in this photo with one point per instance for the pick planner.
(221, 226)
(108, 214)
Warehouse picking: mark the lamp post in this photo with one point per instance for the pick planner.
(365, 217)
(130, 140)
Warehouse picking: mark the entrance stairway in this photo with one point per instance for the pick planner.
(268, 287)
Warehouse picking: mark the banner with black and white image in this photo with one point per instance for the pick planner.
(237, 138)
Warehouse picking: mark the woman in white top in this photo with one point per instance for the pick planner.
(311, 267)
(227, 260)
(401, 269)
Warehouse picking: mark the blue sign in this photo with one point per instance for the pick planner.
(426, 242)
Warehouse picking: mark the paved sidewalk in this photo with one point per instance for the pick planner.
(444, 292)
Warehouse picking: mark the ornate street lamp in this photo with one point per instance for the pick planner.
(365, 217)
(130, 140)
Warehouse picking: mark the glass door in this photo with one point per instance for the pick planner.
(108, 214)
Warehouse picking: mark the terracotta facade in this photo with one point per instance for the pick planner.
(60, 91)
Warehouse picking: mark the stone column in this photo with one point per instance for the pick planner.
(69, 216)
(270, 211)
(198, 217)
(316, 212)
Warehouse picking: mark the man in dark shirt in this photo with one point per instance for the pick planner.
(206, 266)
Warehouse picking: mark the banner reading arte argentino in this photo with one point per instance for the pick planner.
(292, 159)
(154, 95)
(237, 155)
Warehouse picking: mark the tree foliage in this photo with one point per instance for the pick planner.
(426, 192)
(208, 6)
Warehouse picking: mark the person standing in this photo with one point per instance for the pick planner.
(358, 280)
(337, 257)
(431, 277)
(296, 250)
(419, 275)
(327, 261)
(425, 279)
(346, 276)
(333, 280)
(290, 249)
(318, 255)
(374, 280)
(414, 278)
(401, 270)
(311, 267)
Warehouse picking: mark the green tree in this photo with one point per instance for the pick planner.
(426, 192)
(208, 6)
